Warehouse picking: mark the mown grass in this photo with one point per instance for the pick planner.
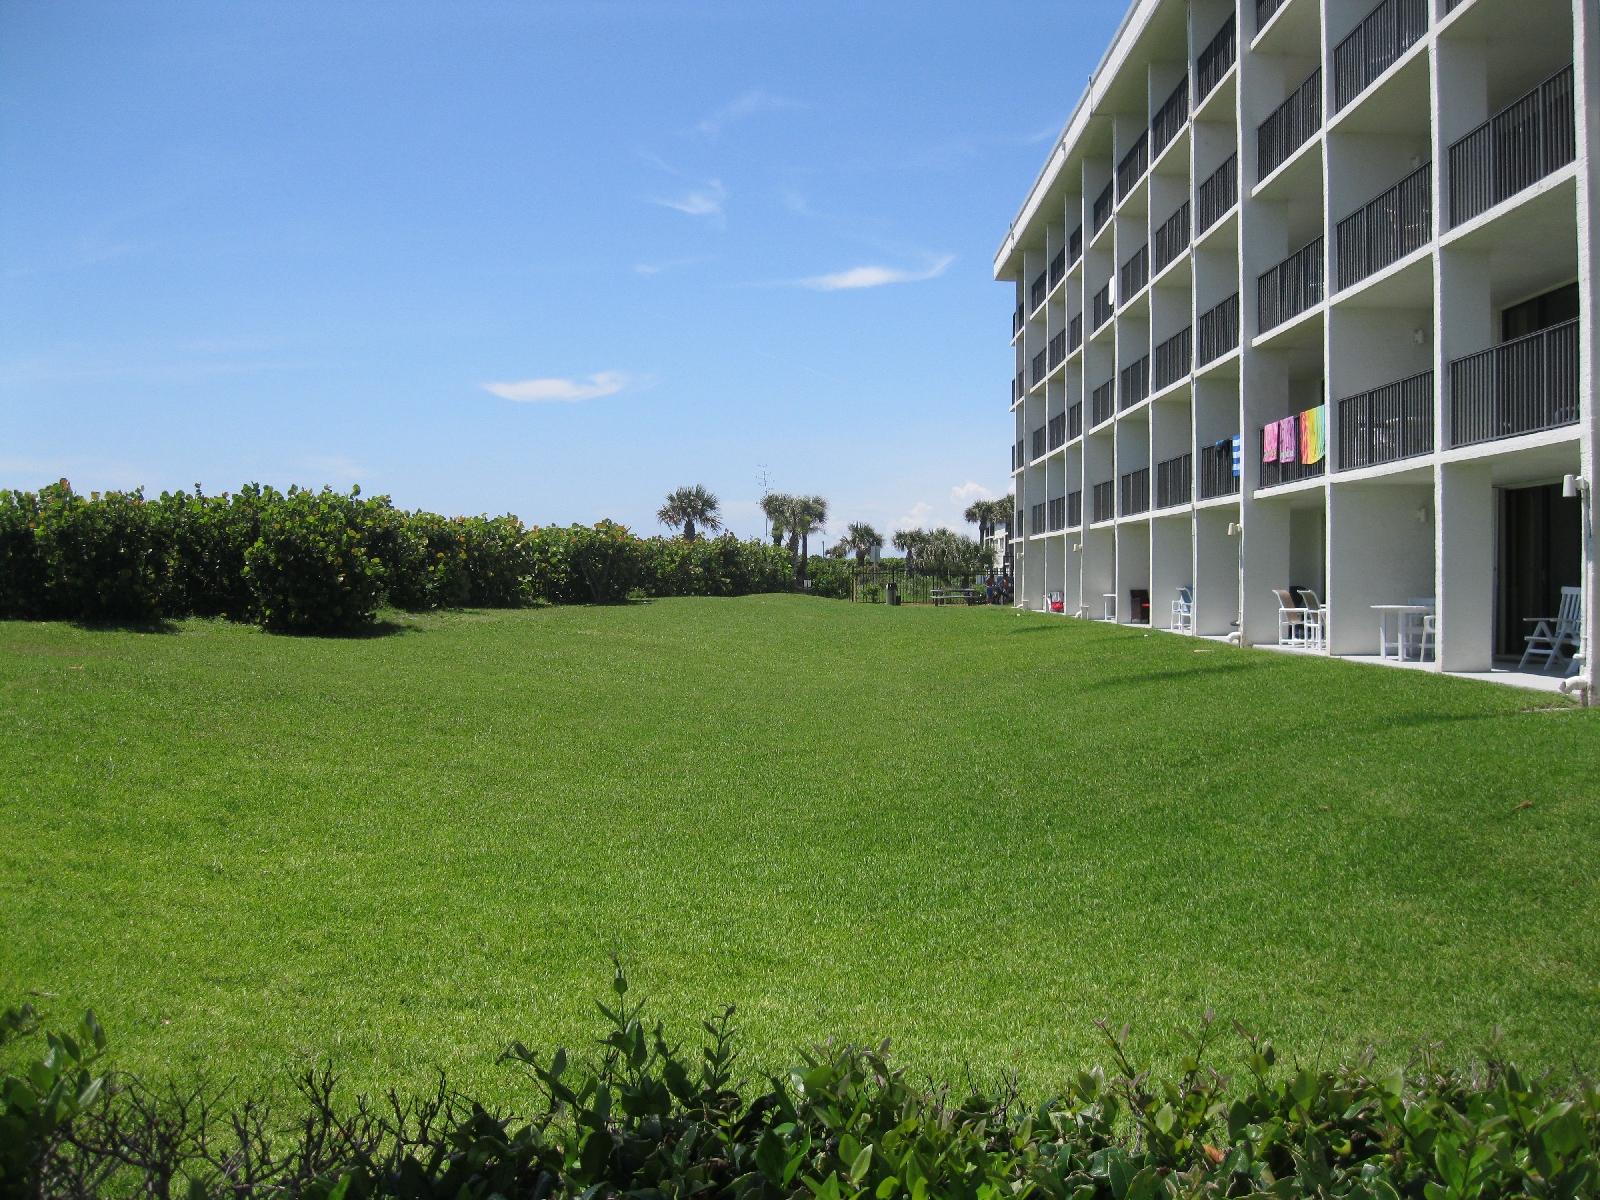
(973, 830)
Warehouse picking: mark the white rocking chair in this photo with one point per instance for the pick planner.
(1183, 611)
(1551, 633)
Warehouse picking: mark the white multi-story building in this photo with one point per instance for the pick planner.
(1357, 242)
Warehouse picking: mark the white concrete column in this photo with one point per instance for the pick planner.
(1464, 574)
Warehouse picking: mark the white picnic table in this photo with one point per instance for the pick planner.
(1408, 628)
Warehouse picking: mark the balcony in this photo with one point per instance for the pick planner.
(1102, 210)
(1134, 383)
(1219, 192)
(1037, 292)
(1388, 423)
(1219, 329)
(1038, 443)
(1075, 421)
(1513, 149)
(1170, 118)
(1036, 519)
(1385, 230)
(1058, 430)
(1058, 349)
(1075, 509)
(1171, 239)
(1290, 126)
(1019, 457)
(1075, 246)
(1037, 370)
(1217, 476)
(1104, 500)
(1174, 481)
(1058, 268)
(1016, 321)
(1291, 469)
(1136, 492)
(1291, 287)
(1133, 166)
(1173, 358)
(1102, 403)
(1215, 59)
(1058, 514)
(1101, 308)
(1373, 46)
(1074, 333)
(1135, 274)
(1264, 11)
(1016, 388)
(1520, 386)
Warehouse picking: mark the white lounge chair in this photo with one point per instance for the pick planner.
(1551, 633)
(1292, 620)
(1316, 618)
(1183, 611)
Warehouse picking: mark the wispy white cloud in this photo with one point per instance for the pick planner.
(603, 383)
(795, 202)
(917, 517)
(868, 277)
(703, 201)
(967, 492)
(746, 105)
(335, 465)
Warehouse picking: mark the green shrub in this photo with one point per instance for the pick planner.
(206, 539)
(310, 570)
(831, 578)
(22, 570)
(722, 566)
(103, 557)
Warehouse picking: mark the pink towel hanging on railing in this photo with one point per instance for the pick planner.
(1269, 443)
(1288, 448)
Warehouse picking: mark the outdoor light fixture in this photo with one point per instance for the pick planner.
(1573, 486)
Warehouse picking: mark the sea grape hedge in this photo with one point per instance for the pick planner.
(641, 1118)
(325, 561)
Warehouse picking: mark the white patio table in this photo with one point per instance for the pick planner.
(1408, 621)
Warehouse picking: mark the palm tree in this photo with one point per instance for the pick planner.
(863, 539)
(982, 514)
(910, 542)
(1003, 509)
(689, 506)
(778, 506)
(807, 516)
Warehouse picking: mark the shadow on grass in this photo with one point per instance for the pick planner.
(381, 628)
(1202, 671)
(145, 625)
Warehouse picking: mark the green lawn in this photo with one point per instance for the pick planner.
(973, 830)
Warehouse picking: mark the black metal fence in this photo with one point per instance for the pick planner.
(1133, 165)
(915, 584)
(1390, 422)
(1264, 11)
(1173, 358)
(1216, 471)
(1037, 369)
(1218, 193)
(1275, 472)
(1519, 386)
(1016, 388)
(1291, 287)
(1174, 481)
(1039, 442)
(1134, 383)
(1135, 274)
(1036, 293)
(1019, 456)
(1101, 307)
(1074, 333)
(1075, 246)
(1075, 509)
(1058, 514)
(1136, 492)
(1169, 118)
(1075, 421)
(1219, 329)
(1058, 349)
(1104, 499)
(1103, 403)
(1016, 321)
(1513, 149)
(1058, 430)
(1373, 46)
(1170, 239)
(1290, 125)
(1058, 268)
(1036, 519)
(1214, 61)
(1102, 209)
(1387, 229)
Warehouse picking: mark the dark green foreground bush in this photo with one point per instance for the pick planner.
(640, 1118)
(325, 562)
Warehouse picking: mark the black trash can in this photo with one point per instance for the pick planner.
(1141, 605)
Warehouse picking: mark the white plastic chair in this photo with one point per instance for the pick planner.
(1183, 611)
(1316, 618)
(1292, 620)
(1551, 633)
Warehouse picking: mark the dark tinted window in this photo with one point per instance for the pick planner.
(1541, 312)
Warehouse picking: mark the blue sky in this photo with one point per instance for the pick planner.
(552, 259)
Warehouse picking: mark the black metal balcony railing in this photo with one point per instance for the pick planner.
(1102, 209)
(1215, 60)
(1519, 386)
(1103, 403)
(1101, 308)
(1038, 443)
(1173, 359)
(1136, 492)
(1291, 287)
(1373, 46)
(1174, 481)
(1385, 230)
(1019, 456)
(1075, 421)
(1275, 472)
(1058, 349)
(1016, 388)
(1037, 370)
(1058, 268)
(1075, 246)
(1058, 430)
(1169, 118)
(1264, 11)
(1290, 126)
(1036, 519)
(1104, 499)
(1216, 471)
(1016, 321)
(1036, 293)
(1133, 165)
(1135, 274)
(1075, 509)
(1513, 149)
(1219, 330)
(1171, 239)
(1219, 192)
(1074, 333)
(1058, 513)
(1390, 422)
(1134, 383)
